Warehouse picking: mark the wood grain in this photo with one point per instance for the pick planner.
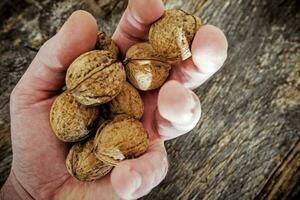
(247, 143)
(285, 179)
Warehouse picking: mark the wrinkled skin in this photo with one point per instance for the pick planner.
(38, 166)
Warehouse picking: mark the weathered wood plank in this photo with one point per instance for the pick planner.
(247, 143)
(285, 179)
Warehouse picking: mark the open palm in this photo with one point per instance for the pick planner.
(39, 157)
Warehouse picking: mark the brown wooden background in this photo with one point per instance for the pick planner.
(247, 145)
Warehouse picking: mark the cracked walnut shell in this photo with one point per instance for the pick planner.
(82, 163)
(95, 77)
(122, 138)
(145, 69)
(71, 121)
(172, 35)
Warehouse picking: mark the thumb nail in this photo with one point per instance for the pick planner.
(176, 103)
(136, 181)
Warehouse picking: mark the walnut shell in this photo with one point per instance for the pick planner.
(71, 121)
(95, 77)
(82, 163)
(145, 69)
(106, 43)
(127, 102)
(172, 35)
(121, 138)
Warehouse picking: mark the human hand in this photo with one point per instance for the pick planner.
(38, 168)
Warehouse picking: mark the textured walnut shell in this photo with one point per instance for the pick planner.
(106, 43)
(71, 121)
(95, 77)
(172, 35)
(145, 69)
(127, 102)
(122, 138)
(82, 163)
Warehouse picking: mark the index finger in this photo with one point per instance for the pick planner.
(209, 52)
(135, 22)
(46, 73)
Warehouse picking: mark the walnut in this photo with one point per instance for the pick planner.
(121, 138)
(106, 43)
(82, 163)
(127, 102)
(172, 35)
(95, 77)
(71, 121)
(145, 69)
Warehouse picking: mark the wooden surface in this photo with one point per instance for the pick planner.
(247, 145)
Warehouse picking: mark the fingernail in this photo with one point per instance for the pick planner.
(175, 103)
(209, 49)
(64, 24)
(208, 64)
(72, 19)
(195, 113)
(136, 181)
